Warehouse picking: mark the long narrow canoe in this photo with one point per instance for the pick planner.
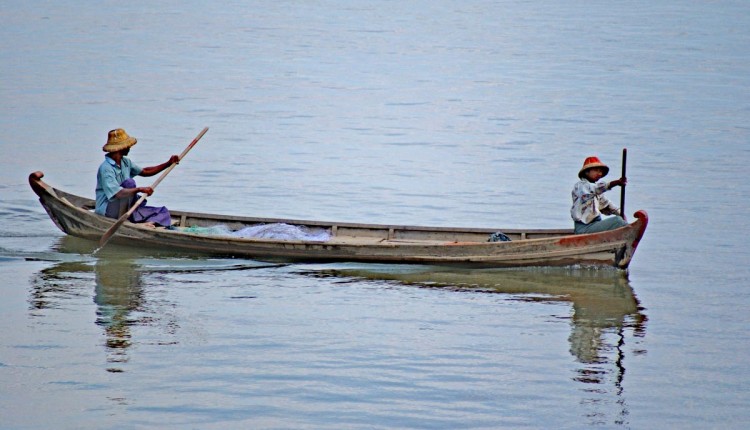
(467, 247)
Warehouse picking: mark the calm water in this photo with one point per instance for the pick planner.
(440, 113)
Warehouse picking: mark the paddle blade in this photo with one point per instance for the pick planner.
(103, 241)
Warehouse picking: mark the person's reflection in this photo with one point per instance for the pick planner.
(608, 310)
(597, 341)
(118, 295)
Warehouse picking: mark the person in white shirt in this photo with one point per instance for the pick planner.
(589, 203)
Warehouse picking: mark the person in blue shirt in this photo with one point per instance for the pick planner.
(116, 190)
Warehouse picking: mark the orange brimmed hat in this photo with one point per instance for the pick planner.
(118, 140)
(591, 162)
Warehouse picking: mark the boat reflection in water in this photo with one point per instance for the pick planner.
(604, 308)
(124, 285)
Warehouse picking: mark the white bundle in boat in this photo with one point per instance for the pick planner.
(275, 231)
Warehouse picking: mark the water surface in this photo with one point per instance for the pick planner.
(440, 113)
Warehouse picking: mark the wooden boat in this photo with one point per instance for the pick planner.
(354, 242)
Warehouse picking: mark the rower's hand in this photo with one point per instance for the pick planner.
(146, 190)
(175, 159)
(618, 182)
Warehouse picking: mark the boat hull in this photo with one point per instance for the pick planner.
(467, 247)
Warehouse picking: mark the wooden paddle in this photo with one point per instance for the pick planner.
(109, 233)
(622, 188)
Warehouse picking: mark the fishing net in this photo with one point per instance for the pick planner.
(275, 231)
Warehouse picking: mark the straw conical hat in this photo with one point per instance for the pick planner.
(118, 140)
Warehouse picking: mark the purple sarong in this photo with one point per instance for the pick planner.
(157, 215)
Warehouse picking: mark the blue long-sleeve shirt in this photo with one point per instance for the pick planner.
(108, 180)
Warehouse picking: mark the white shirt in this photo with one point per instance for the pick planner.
(589, 201)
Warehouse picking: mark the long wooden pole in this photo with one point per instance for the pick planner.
(622, 188)
(109, 233)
